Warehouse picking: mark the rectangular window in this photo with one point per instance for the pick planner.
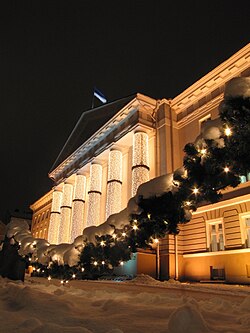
(215, 236)
(203, 120)
(245, 229)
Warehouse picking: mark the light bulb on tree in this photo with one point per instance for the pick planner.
(226, 169)
(228, 131)
(195, 190)
(102, 243)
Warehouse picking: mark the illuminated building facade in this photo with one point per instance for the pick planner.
(120, 145)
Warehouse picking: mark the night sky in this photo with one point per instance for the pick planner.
(53, 53)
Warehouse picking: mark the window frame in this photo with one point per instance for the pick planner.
(208, 232)
(243, 229)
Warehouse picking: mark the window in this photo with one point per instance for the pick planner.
(215, 235)
(245, 229)
(203, 120)
(245, 178)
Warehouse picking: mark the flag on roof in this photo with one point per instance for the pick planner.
(100, 95)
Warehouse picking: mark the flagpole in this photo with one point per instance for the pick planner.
(93, 100)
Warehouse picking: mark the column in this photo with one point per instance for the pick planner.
(114, 184)
(95, 191)
(55, 216)
(78, 206)
(140, 167)
(66, 207)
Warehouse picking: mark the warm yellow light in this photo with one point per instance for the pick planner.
(203, 151)
(149, 215)
(135, 227)
(228, 131)
(29, 259)
(67, 281)
(102, 243)
(195, 190)
(226, 169)
(49, 278)
(73, 276)
(103, 262)
(188, 203)
(156, 240)
(124, 234)
(121, 263)
(95, 263)
(61, 281)
(114, 236)
(82, 269)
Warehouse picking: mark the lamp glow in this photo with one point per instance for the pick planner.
(195, 191)
(228, 131)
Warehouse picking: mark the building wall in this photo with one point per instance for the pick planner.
(41, 216)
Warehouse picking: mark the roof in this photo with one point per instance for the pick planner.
(89, 122)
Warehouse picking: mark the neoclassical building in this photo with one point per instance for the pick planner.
(118, 146)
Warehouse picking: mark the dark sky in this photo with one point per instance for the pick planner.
(53, 53)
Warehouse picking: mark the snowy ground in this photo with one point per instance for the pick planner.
(140, 305)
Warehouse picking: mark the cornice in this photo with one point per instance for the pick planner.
(44, 200)
(230, 68)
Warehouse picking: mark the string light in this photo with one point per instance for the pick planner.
(156, 240)
(95, 263)
(62, 281)
(228, 131)
(73, 276)
(226, 169)
(64, 228)
(135, 227)
(103, 262)
(114, 236)
(78, 206)
(82, 269)
(203, 151)
(49, 278)
(102, 243)
(94, 195)
(114, 186)
(55, 217)
(124, 234)
(195, 190)
(188, 203)
(140, 171)
(121, 263)
(149, 216)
